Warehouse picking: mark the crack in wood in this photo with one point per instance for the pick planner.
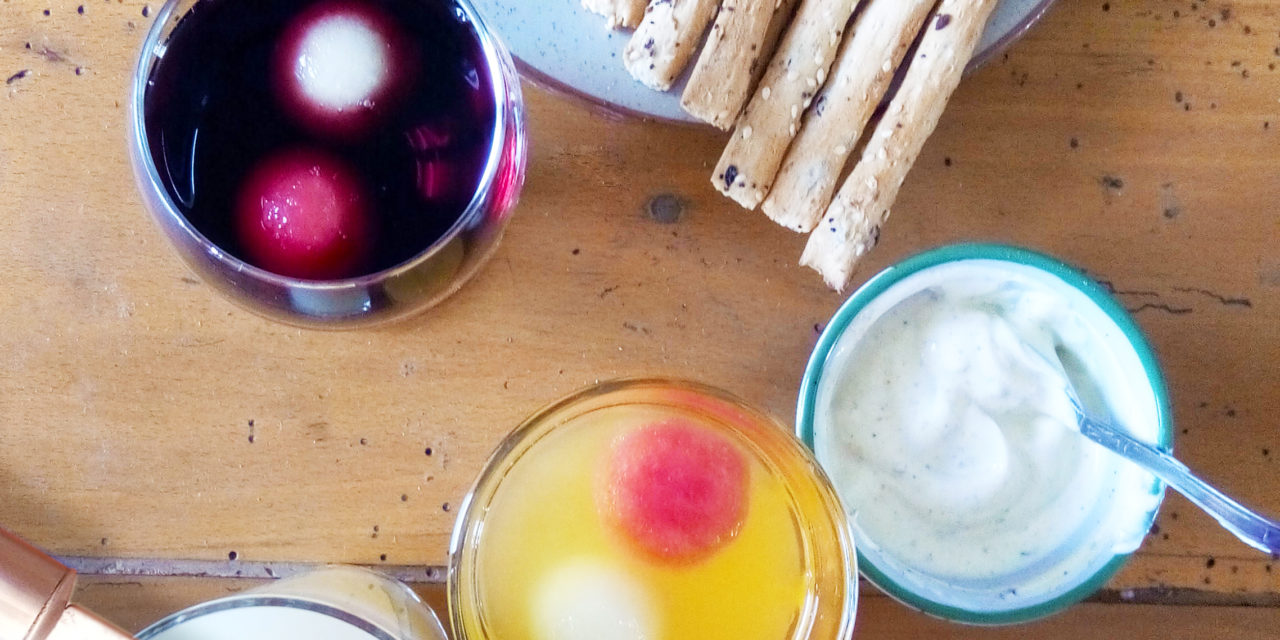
(1160, 307)
(1185, 596)
(1111, 288)
(1226, 301)
(125, 568)
(166, 568)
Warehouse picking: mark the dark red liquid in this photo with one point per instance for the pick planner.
(213, 113)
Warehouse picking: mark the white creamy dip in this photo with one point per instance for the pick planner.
(953, 444)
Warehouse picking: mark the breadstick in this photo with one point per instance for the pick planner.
(665, 40)
(851, 225)
(859, 78)
(734, 57)
(618, 13)
(799, 67)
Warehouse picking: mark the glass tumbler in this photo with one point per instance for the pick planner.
(539, 551)
(426, 278)
(335, 603)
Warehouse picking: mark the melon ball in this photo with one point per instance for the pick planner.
(676, 490)
(590, 600)
(303, 214)
(340, 65)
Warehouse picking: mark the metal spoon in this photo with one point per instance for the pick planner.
(1253, 529)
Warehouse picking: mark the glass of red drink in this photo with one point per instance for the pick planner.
(328, 163)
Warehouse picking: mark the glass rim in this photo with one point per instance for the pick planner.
(1073, 278)
(252, 601)
(470, 510)
(145, 166)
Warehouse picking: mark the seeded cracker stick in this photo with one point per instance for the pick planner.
(799, 66)
(734, 57)
(618, 13)
(851, 225)
(859, 78)
(665, 40)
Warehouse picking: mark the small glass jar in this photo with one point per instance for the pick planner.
(335, 603)
(534, 554)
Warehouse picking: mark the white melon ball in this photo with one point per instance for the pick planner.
(589, 600)
(341, 62)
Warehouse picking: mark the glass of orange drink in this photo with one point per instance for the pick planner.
(651, 509)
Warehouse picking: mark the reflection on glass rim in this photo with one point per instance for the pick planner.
(247, 602)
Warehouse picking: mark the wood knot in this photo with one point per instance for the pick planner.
(665, 208)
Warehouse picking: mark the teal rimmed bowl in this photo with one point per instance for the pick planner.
(988, 601)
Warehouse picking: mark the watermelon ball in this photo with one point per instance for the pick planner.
(340, 65)
(675, 490)
(590, 600)
(303, 214)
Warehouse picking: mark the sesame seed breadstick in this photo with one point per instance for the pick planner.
(765, 129)
(863, 69)
(737, 51)
(618, 13)
(664, 42)
(851, 225)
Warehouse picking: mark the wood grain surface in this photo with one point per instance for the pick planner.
(146, 417)
(135, 603)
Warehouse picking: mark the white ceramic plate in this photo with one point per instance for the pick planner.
(560, 44)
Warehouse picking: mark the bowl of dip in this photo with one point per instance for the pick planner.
(952, 443)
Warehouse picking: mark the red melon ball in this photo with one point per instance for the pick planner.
(303, 214)
(675, 490)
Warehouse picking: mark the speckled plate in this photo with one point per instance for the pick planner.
(559, 44)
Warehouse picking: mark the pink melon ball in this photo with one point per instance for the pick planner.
(675, 490)
(303, 214)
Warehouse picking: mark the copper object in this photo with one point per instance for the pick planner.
(35, 595)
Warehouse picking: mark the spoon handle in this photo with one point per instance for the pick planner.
(1255, 530)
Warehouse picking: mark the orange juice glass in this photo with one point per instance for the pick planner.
(538, 552)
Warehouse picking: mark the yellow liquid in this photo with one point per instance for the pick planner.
(545, 517)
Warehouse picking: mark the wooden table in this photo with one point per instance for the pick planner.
(147, 418)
